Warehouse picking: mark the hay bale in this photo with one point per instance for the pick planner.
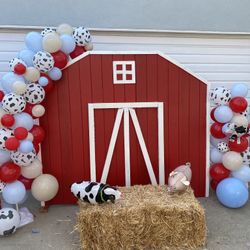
(146, 217)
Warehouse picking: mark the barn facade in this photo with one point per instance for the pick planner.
(124, 119)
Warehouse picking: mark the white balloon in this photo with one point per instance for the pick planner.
(38, 110)
(19, 87)
(52, 42)
(232, 160)
(239, 120)
(215, 155)
(32, 74)
(64, 28)
(33, 170)
(223, 114)
(9, 222)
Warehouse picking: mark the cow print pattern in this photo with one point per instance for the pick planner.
(14, 62)
(2, 186)
(43, 61)
(22, 159)
(223, 147)
(220, 96)
(47, 31)
(34, 93)
(246, 156)
(246, 112)
(9, 221)
(82, 36)
(5, 133)
(13, 103)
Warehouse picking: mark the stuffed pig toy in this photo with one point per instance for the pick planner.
(94, 192)
(180, 178)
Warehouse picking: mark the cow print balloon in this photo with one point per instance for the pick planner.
(5, 133)
(14, 62)
(223, 147)
(43, 61)
(22, 159)
(47, 31)
(2, 185)
(82, 36)
(9, 221)
(34, 93)
(13, 103)
(220, 96)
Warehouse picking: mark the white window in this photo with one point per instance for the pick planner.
(124, 72)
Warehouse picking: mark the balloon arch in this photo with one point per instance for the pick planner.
(33, 73)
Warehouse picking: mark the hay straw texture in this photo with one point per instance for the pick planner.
(147, 217)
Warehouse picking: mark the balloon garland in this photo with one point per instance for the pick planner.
(32, 75)
(230, 157)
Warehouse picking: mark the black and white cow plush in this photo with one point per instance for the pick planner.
(94, 192)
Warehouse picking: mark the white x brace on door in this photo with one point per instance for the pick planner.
(126, 110)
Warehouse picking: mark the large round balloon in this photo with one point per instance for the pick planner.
(8, 79)
(216, 130)
(232, 160)
(14, 192)
(5, 133)
(220, 96)
(27, 56)
(23, 120)
(218, 172)
(34, 93)
(82, 36)
(52, 42)
(238, 145)
(232, 193)
(22, 159)
(60, 59)
(13, 103)
(223, 147)
(243, 173)
(240, 120)
(33, 41)
(239, 90)
(33, 170)
(4, 157)
(223, 114)
(9, 221)
(68, 44)
(215, 155)
(44, 187)
(9, 172)
(43, 61)
(238, 104)
(38, 133)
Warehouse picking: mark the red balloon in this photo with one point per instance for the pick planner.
(1, 95)
(212, 115)
(214, 184)
(12, 143)
(36, 147)
(19, 69)
(7, 120)
(9, 172)
(216, 130)
(38, 133)
(60, 58)
(77, 52)
(238, 146)
(238, 104)
(20, 133)
(28, 108)
(218, 172)
(26, 182)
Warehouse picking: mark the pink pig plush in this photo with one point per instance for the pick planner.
(180, 178)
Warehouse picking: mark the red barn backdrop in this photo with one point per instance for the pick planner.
(125, 119)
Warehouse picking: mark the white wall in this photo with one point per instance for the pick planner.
(220, 59)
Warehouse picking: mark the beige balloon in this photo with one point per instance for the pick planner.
(38, 110)
(44, 187)
(239, 120)
(64, 28)
(232, 160)
(89, 46)
(33, 170)
(32, 74)
(19, 87)
(30, 137)
(52, 42)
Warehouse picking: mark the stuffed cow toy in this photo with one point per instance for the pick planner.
(94, 192)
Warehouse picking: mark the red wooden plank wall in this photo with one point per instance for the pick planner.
(65, 152)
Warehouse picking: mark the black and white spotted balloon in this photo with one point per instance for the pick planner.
(47, 31)
(223, 147)
(246, 156)
(13, 103)
(220, 95)
(5, 133)
(82, 36)
(22, 159)
(34, 93)
(43, 61)
(14, 62)
(9, 221)
(2, 185)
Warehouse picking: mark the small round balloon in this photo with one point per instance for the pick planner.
(239, 90)
(55, 74)
(216, 130)
(38, 133)
(7, 120)
(38, 111)
(238, 104)
(20, 133)
(223, 147)
(51, 42)
(34, 93)
(9, 222)
(223, 114)
(32, 74)
(218, 172)
(9, 172)
(243, 173)
(232, 160)
(12, 144)
(232, 193)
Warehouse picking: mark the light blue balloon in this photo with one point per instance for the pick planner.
(239, 89)
(68, 43)
(55, 74)
(23, 120)
(223, 114)
(215, 155)
(14, 192)
(33, 41)
(4, 156)
(27, 56)
(232, 192)
(8, 80)
(243, 173)
(43, 81)
(26, 146)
